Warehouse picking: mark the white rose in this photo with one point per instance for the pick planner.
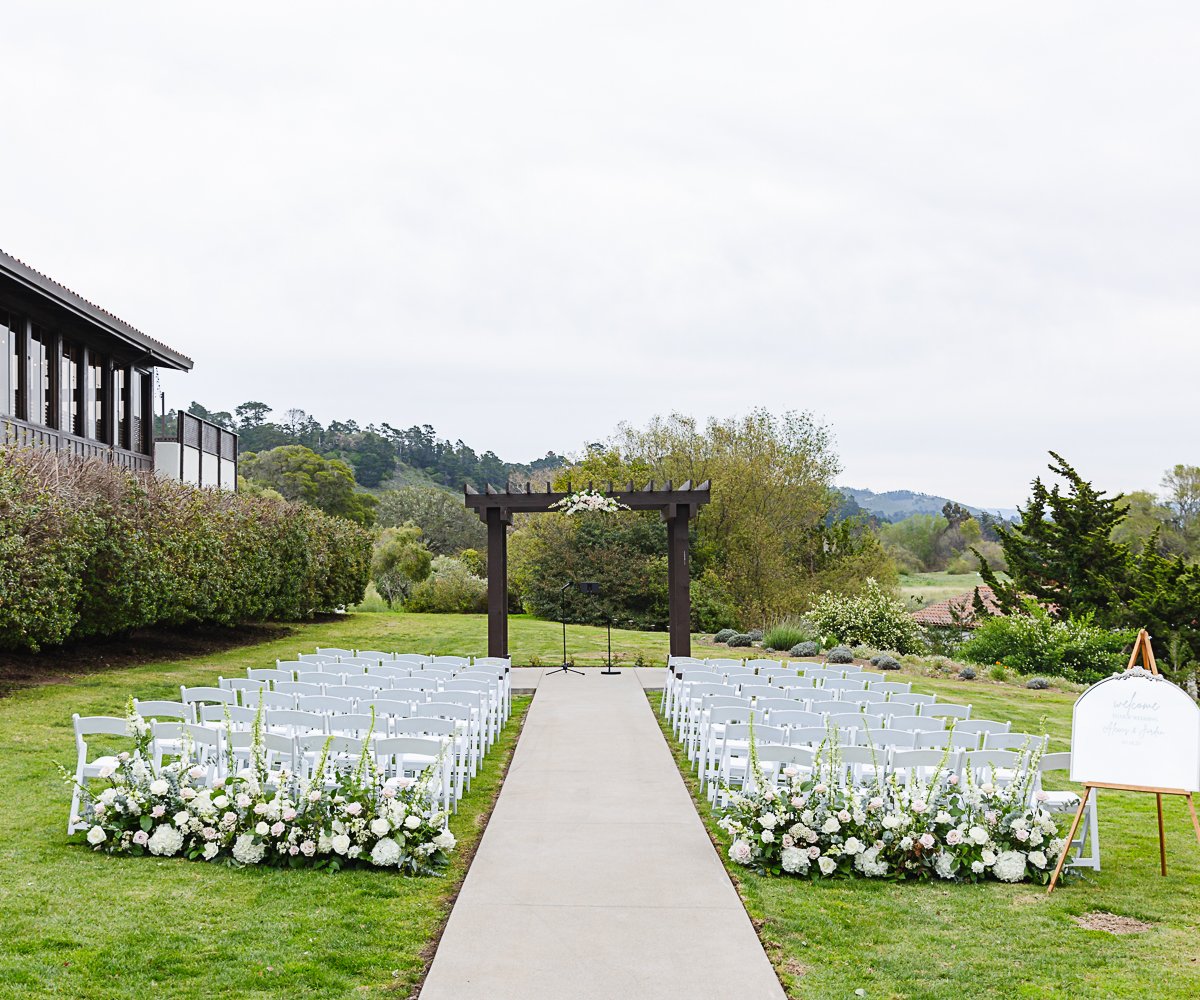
(412, 822)
(831, 825)
(262, 829)
(768, 820)
(380, 826)
(211, 851)
(1037, 859)
(181, 818)
(767, 836)
(977, 867)
(978, 834)
(989, 857)
(159, 786)
(852, 846)
(827, 865)
(340, 843)
(445, 840)
(96, 835)
(221, 801)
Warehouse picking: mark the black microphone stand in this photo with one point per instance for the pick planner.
(566, 668)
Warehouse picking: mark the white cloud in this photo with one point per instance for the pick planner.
(963, 236)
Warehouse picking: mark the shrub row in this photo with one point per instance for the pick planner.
(1033, 642)
(87, 549)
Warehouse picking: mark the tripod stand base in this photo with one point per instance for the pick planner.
(564, 669)
(610, 670)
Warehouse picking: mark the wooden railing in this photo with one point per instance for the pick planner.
(16, 433)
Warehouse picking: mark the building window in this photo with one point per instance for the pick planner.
(41, 404)
(137, 411)
(95, 399)
(121, 395)
(69, 389)
(7, 399)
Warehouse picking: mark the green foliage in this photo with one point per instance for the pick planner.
(884, 662)
(1034, 642)
(625, 553)
(1037, 683)
(740, 640)
(805, 649)
(450, 588)
(1062, 553)
(400, 561)
(998, 672)
(712, 609)
(725, 634)
(967, 674)
(298, 473)
(474, 561)
(92, 550)
(873, 617)
(839, 654)
(767, 531)
(785, 635)
(446, 522)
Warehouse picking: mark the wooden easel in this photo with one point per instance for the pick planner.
(1142, 647)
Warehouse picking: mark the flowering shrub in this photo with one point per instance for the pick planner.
(253, 817)
(1033, 642)
(872, 617)
(942, 828)
(588, 501)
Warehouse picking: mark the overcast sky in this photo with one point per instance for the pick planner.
(961, 235)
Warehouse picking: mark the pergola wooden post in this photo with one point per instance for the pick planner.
(677, 506)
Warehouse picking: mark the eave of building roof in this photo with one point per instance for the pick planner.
(73, 302)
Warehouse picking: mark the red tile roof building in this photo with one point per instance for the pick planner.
(957, 611)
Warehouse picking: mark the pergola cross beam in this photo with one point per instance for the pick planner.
(677, 506)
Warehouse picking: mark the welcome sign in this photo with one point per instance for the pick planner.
(1137, 730)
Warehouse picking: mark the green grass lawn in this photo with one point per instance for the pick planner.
(921, 589)
(531, 641)
(83, 925)
(928, 941)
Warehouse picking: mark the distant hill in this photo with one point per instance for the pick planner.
(896, 505)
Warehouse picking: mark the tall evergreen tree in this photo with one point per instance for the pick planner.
(1062, 552)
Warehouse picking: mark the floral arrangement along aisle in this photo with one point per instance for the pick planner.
(255, 816)
(810, 824)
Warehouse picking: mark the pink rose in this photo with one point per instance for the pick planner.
(953, 779)
(354, 808)
(814, 852)
(277, 829)
(927, 840)
(953, 837)
(141, 838)
(158, 811)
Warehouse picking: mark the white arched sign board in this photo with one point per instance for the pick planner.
(1139, 730)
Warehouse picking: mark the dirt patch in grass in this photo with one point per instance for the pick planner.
(52, 666)
(1098, 920)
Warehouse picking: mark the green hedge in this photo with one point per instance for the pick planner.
(90, 550)
(1030, 643)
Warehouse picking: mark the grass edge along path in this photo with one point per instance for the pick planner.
(93, 927)
(931, 941)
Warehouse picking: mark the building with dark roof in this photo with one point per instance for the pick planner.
(75, 379)
(958, 611)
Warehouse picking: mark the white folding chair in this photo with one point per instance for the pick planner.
(943, 710)
(325, 704)
(165, 711)
(924, 765)
(916, 723)
(375, 655)
(890, 687)
(299, 688)
(270, 674)
(1011, 741)
(334, 652)
(413, 756)
(1067, 801)
(467, 730)
(980, 726)
(87, 767)
(913, 701)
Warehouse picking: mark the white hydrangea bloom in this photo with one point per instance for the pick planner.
(247, 852)
(165, 841)
(1009, 866)
(385, 853)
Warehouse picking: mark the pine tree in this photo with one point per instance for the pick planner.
(1062, 553)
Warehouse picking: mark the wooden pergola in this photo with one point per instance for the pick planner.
(677, 506)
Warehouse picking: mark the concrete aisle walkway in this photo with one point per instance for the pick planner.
(596, 878)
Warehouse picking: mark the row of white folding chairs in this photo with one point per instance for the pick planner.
(251, 690)
(692, 699)
(462, 711)
(208, 705)
(675, 703)
(856, 763)
(446, 667)
(716, 711)
(803, 728)
(297, 754)
(408, 755)
(415, 661)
